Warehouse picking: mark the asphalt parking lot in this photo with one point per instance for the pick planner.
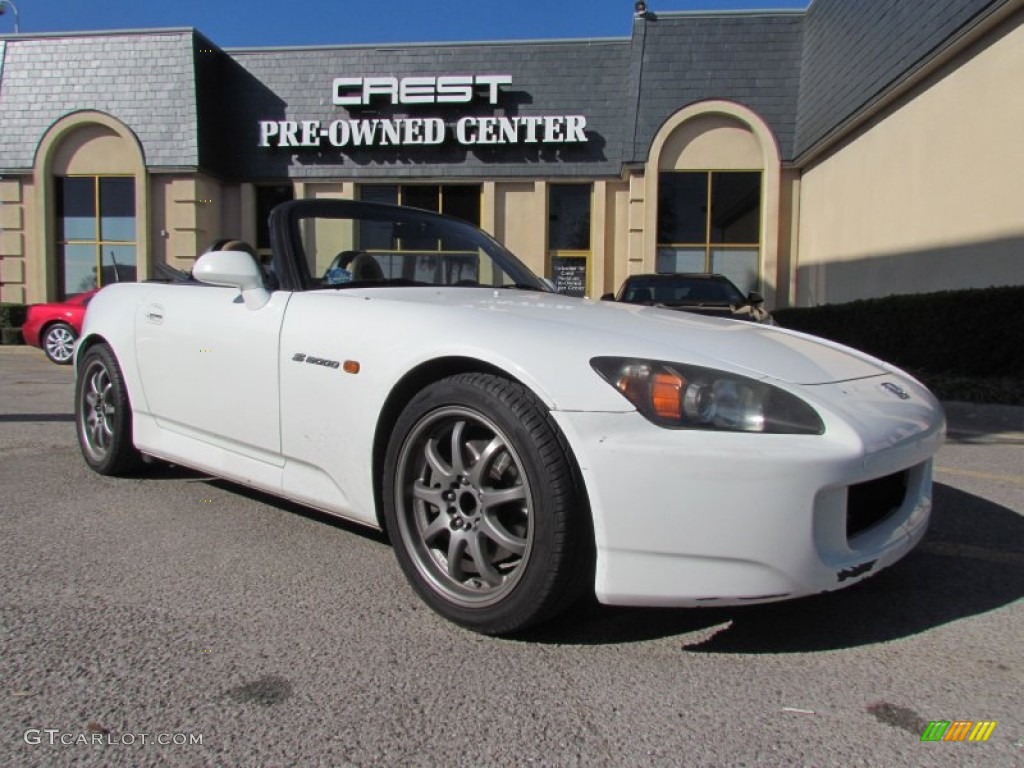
(172, 606)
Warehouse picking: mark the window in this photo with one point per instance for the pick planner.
(459, 200)
(569, 237)
(710, 221)
(422, 256)
(95, 231)
(267, 197)
(373, 249)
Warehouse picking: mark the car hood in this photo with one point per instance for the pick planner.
(740, 311)
(593, 328)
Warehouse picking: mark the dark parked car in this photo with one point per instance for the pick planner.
(703, 293)
(54, 327)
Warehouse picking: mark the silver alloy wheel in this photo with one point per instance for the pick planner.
(60, 343)
(465, 511)
(96, 416)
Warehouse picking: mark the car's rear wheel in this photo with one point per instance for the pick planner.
(59, 343)
(103, 414)
(483, 505)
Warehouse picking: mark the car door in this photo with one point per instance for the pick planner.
(209, 366)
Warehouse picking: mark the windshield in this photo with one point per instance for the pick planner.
(368, 245)
(682, 289)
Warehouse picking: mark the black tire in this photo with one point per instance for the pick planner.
(103, 414)
(58, 341)
(484, 506)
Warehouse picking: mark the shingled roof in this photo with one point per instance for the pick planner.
(808, 74)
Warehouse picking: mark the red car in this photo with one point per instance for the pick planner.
(54, 327)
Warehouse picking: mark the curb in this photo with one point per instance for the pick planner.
(978, 422)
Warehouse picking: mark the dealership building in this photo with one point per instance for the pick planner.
(850, 150)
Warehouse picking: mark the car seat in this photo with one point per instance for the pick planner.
(366, 268)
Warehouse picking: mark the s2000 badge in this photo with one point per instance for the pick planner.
(300, 357)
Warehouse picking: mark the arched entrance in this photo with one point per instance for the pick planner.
(91, 204)
(712, 196)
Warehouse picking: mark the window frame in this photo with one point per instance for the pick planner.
(709, 246)
(292, 260)
(440, 251)
(550, 254)
(263, 246)
(97, 242)
(401, 189)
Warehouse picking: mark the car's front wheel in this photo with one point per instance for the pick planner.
(103, 414)
(483, 505)
(59, 343)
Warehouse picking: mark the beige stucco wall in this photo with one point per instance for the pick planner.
(609, 237)
(636, 220)
(616, 265)
(711, 142)
(929, 196)
(92, 148)
(520, 221)
(188, 213)
(14, 241)
(788, 231)
(341, 190)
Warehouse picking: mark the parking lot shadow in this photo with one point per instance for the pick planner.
(971, 562)
(161, 470)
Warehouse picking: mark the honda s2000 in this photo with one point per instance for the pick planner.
(403, 370)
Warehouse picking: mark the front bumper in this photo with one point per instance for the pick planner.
(687, 517)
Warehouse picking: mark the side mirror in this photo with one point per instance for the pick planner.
(755, 298)
(233, 269)
(608, 297)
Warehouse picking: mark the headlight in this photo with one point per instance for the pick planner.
(681, 396)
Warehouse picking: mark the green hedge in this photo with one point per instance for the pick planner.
(12, 315)
(11, 336)
(973, 333)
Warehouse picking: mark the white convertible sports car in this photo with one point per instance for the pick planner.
(403, 370)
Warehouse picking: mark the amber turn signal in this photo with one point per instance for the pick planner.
(667, 395)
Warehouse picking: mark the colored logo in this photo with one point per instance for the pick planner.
(959, 730)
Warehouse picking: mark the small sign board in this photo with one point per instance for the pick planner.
(569, 274)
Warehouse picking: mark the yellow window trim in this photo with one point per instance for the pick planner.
(97, 224)
(708, 245)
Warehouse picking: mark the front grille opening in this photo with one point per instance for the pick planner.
(869, 503)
